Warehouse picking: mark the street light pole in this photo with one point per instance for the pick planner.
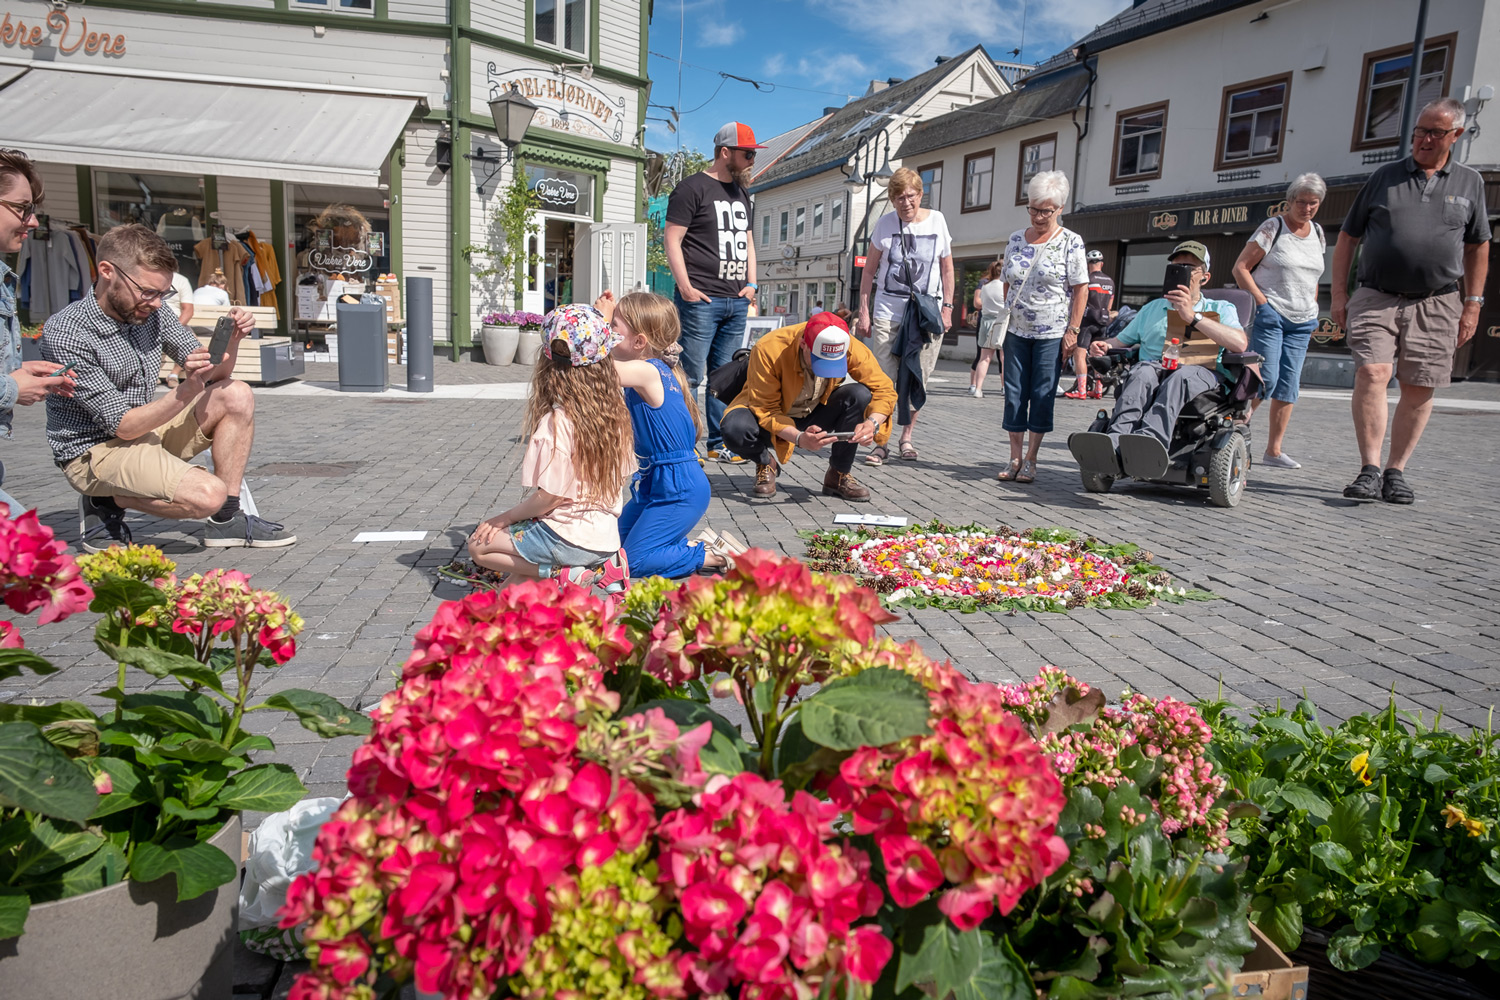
(874, 148)
(1409, 104)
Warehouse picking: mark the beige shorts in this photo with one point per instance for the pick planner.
(882, 332)
(151, 466)
(1418, 336)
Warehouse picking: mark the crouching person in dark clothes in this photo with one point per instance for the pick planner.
(793, 398)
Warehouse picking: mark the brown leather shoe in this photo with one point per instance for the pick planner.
(842, 484)
(765, 480)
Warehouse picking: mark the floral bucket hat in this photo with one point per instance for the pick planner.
(585, 330)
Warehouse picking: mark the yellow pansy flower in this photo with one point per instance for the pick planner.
(1361, 767)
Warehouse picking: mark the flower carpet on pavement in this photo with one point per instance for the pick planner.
(974, 568)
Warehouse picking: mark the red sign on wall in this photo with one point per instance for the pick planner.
(859, 262)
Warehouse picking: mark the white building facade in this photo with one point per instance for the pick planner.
(260, 114)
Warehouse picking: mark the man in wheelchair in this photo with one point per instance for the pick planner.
(1138, 438)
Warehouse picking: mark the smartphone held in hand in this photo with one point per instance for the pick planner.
(1177, 274)
(843, 435)
(223, 331)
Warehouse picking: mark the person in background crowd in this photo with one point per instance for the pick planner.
(910, 251)
(670, 492)
(21, 382)
(181, 303)
(989, 334)
(215, 293)
(1046, 289)
(1280, 267)
(711, 251)
(119, 444)
(1426, 235)
(795, 397)
(1096, 315)
(577, 463)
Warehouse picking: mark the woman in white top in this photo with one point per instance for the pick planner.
(215, 293)
(1281, 267)
(1046, 288)
(989, 299)
(910, 249)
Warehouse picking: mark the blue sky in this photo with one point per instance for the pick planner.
(817, 53)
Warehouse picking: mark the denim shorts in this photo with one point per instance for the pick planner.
(549, 551)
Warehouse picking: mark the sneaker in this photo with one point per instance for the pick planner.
(765, 480)
(100, 527)
(1366, 485)
(974, 391)
(1282, 461)
(245, 531)
(845, 486)
(1079, 393)
(724, 455)
(1393, 488)
(1096, 390)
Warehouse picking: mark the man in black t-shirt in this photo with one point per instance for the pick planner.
(712, 255)
(1095, 321)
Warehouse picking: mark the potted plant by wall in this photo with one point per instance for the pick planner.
(97, 810)
(498, 333)
(530, 343)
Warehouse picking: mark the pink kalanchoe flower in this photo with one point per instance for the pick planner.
(10, 637)
(36, 571)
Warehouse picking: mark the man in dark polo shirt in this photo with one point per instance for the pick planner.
(1421, 284)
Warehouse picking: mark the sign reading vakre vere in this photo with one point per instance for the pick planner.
(563, 102)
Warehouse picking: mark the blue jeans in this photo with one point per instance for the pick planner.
(711, 333)
(1284, 346)
(1030, 383)
(16, 507)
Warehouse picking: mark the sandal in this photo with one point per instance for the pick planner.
(1008, 473)
(879, 456)
(909, 451)
(1027, 473)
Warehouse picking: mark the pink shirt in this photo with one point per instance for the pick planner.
(585, 522)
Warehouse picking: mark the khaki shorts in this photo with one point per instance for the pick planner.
(883, 332)
(151, 466)
(1418, 336)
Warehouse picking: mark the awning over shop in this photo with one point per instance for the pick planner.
(182, 126)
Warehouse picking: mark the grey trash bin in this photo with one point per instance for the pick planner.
(362, 348)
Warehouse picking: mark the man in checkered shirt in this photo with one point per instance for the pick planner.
(123, 447)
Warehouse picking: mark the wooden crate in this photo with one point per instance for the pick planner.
(1268, 974)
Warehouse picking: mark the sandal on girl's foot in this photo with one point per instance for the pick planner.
(1008, 474)
(708, 536)
(1027, 473)
(909, 451)
(879, 456)
(732, 545)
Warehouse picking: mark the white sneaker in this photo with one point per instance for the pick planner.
(1282, 461)
(974, 391)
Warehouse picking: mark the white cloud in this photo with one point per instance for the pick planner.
(776, 65)
(720, 33)
(842, 69)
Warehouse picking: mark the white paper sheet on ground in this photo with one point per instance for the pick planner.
(880, 520)
(390, 536)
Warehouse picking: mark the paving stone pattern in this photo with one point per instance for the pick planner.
(1343, 602)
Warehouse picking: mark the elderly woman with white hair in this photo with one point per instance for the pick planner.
(1281, 266)
(1046, 288)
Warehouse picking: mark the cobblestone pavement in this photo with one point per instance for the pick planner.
(1344, 602)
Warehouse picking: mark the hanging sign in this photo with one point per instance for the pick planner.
(15, 33)
(562, 190)
(340, 260)
(563, 103)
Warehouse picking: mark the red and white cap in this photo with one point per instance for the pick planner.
(737, 135)
(827, 338)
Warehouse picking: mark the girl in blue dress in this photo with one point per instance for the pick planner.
(670, 493)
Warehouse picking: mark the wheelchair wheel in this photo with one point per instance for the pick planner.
(1228, 472)
(1096, 482)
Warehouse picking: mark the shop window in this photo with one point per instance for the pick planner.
(1140, 134)
(979, 180)
(765, 230)
(830, 295)
(350, 6)
(801, 220)
(1252, 122)
(812, 296)
(561, 24)
(779, 303)
(171, 204)
(565, 192)
(783, 227)
(1382, 89)
(1036, 155)
(792, 302)
(932, 185)
(817, 220)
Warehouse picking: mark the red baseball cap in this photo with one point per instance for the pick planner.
(827, 337)
(737, 135)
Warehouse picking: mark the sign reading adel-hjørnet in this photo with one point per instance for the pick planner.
(563, 103)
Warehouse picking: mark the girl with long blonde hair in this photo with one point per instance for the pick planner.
(671, 492)
(578, 460)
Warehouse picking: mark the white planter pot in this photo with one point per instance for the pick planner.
(499, 343)
(529, 347)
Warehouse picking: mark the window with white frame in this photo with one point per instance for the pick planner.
(979, 180)
(1253, 121)
(1036, 155)
(1139, 136)
(349, 6)
(835, 214)
(830, 295)
(817, 220)
(932, 185)
(1383, 88)
(561, 24)
(812, 297)
(765, 230)
(801, 220)
(783, 226)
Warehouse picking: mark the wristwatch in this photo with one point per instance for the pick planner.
(1194, 324)
(1475, 298)
(947, 305)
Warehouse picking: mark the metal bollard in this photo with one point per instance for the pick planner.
(418, 334)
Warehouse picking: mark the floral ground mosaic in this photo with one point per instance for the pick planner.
(977, 568)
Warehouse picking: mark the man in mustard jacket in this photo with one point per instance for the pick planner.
(795, 396)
